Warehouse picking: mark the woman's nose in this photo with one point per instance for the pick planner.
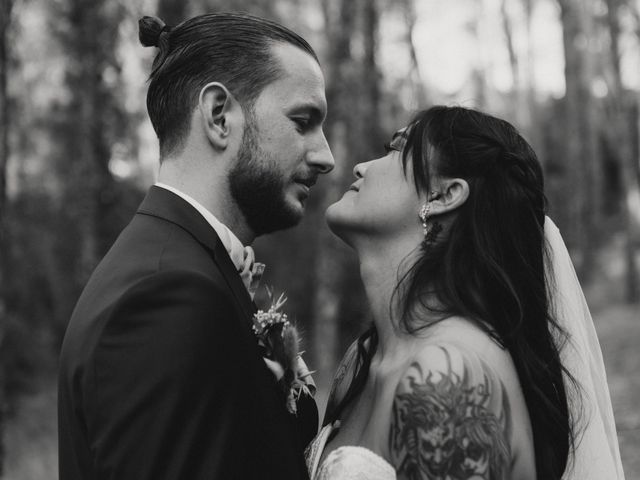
(360, 169)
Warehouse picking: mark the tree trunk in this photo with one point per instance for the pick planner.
(514, 64)
(517, 103)
(581, 134)
(329, 268)
(370, 79)
(634, 9)
(261, 8)
(340, 17)
(415, 76)
(172, 12)
(90, 123)
(353, 94)
(5, 15)
(83, 78)
(478, 74)
(522, 103)
(621, 127)
(531, 125)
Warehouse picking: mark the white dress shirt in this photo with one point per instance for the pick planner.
(233, 245)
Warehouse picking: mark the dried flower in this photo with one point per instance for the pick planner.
(281, 342)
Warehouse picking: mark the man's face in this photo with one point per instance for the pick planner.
(284, 148)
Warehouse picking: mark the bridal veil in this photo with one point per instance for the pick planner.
(597, 455)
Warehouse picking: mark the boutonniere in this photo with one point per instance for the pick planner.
(281, 341)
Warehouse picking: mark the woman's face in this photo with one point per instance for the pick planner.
(382, 201)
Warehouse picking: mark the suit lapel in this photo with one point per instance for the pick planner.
(164, 204)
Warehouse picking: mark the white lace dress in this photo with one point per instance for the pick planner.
(346, 462)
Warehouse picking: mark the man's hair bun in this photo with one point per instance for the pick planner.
(150, 29)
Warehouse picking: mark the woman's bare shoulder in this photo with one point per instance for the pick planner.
(452, 416)
(471, 337)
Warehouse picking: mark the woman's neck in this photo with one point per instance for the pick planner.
(382, 265)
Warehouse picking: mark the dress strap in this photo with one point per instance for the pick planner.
(313, 453)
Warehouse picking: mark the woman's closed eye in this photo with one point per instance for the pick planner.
(397, 143)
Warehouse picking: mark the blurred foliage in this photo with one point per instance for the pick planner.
(78, 151)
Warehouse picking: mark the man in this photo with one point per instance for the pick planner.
(161, 376)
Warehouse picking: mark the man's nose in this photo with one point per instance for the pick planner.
(321, 157)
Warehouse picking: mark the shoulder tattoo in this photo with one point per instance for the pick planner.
(451, 423)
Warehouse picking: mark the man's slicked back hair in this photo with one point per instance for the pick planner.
(231, 48)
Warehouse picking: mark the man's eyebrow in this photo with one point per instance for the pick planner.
(316, 112)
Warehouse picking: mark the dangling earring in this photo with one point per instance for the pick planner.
(424, 214)
(430, 235)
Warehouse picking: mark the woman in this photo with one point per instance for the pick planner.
(460, 375)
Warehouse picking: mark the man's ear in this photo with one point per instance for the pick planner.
(218, 108)
(450, 194)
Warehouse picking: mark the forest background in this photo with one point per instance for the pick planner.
(77, 153)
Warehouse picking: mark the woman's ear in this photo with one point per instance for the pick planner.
(218, 110)
(450, 194)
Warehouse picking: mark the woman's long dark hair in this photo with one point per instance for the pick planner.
(488, 265)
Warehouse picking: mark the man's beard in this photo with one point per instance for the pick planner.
(258, 187)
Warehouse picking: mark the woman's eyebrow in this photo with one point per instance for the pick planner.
(400, 133)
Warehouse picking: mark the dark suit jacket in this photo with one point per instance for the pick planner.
(160, 374)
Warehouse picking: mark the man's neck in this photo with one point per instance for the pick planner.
(210, 190)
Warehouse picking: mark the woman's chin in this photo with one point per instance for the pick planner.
(339, 222)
